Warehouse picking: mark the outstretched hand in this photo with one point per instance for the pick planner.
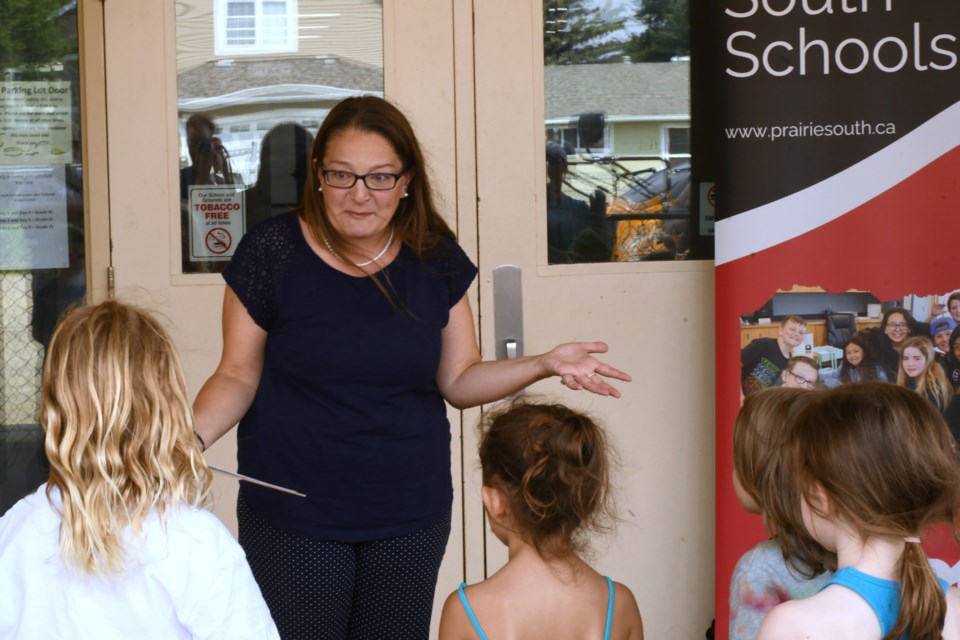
(579, 370)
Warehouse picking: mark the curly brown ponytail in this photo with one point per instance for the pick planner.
(552, 464)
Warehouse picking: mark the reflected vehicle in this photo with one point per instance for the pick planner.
(652, 217)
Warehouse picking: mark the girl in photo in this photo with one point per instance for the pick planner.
(920, 372)
(545, 485)
(857, 366)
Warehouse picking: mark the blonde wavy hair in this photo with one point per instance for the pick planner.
(119, 432)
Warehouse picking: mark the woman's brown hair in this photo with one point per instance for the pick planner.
(552, 464)
(759, 435)
(885, 459)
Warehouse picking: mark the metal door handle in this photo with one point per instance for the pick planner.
(507, 312)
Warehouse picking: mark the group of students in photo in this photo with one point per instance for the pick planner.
(921, 356)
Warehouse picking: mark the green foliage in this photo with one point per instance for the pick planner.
(667, 32)
(31, 34)
(576, 34)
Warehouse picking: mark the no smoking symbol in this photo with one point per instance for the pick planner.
(712, 196)
(218, 241)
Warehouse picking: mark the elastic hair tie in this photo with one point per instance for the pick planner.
(915, 539)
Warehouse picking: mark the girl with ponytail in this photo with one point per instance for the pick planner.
(546, 485)
(874, 464)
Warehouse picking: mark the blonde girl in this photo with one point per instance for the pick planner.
(545, 486)
(789, 565)
(116, 544)
(920, 371)
(875, 464)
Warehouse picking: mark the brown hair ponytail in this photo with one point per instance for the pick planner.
(923, 607)
(887, 461)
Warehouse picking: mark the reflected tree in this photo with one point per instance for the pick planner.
(574, 32)
(31, 33)
(666, 31)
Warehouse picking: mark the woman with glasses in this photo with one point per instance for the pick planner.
(896, 326)
(346, 326)
(800, 373)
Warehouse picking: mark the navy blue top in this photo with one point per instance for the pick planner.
(348, 410)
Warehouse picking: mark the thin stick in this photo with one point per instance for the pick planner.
(255, 481)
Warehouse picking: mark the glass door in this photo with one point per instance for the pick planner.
(45, 230)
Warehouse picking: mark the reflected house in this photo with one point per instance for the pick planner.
(250, 96)
(639, 159)
(252, 70)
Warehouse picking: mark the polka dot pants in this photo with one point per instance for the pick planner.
(325, 590)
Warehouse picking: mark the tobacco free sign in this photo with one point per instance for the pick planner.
(216, 221)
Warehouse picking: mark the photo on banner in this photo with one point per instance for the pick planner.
(836, 146)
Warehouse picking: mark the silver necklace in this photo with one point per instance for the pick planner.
(359, 265)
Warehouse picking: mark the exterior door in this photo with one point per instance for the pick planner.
(657, 318)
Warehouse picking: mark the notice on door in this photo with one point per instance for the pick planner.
(35, 123)
(33, 218)
(216, 222)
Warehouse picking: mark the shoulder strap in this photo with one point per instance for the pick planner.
(606, 631)
(470, 614)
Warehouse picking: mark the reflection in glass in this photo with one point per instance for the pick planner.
(257, 77)
(42, 261)
(618, 132)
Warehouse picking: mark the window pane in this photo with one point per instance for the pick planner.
(678, 141)
(616, 80)
(42, 258)
(241, 23)
(242, 150)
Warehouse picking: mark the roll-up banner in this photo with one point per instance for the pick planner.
(838, 198)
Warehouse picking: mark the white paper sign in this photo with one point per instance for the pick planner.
(216, 221)
(33, 218)
(35, 123)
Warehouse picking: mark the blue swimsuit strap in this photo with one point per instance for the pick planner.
(470, 614)
(483, 636)
(606, 631)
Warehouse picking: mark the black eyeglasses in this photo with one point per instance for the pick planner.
(803, 382)
(373, 181)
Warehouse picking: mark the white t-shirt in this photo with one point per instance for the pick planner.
(191, 580)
